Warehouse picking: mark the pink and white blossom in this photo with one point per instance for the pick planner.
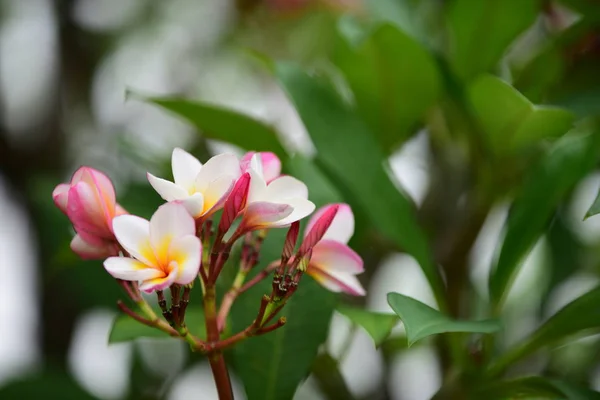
(333, 264)
(90, 203)
(164, 250)
(202, 189)
(271, 165)
(275, 204)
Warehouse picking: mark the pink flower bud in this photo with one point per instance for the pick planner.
(318, 229)
(89, 202)
(235, 203)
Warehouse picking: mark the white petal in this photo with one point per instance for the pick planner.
(217, 166)
(194, 204)
(342, 227)
(216, 193)
(333, 256)
(159, 283)
(133, 233)
(169, 223)
(271, 166)
(286, 187)
(302, 208)
(260, 214)
(185, 167)
(167, 190)
(338, 282)
(258, 188)
(256, 165)
(129, 269)
(186, 252)
(90, 251)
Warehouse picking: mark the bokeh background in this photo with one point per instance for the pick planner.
(71, 76)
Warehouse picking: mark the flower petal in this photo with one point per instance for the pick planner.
(256, 165)
(261, 214)
(271, 166)
(102, 187)
(185, 168)
(194, 204)
(331, 255)
(217, 166)
(167, 190)
(159, 283)
(89, 251)
(169, 223)
(133, 233)
(216, 193)
(258, 188)
(85, 211)
(60, 195)
(286, 187)
(342, 227)
(301, 208)
(129, 269)
(337, 282)
(186, 252)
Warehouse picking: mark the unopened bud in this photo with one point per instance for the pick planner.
(235, 203)
(318, 230)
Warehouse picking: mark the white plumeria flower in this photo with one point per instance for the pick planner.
(202, 189)
(164, 250)
(277, 204)
(333, 264)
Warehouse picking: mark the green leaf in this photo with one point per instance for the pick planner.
(392, 89)
(581, 317)
(348, 152)
(378, 325)
(571, 159)
(216, 122)
(594, 208)
(125, 328)
(509, 120)
(321, 190)
(482, 30)
(521, 388)
(52, 384)
(421, 321)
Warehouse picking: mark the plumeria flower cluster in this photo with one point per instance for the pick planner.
(183, 242)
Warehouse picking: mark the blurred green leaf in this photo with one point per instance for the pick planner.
(378, 325)
(421, 321)
(588, 8)
(394, 80)
(510, 121)
(125, 328)
(217, 122)
(348, 151)
(594, 208)
(581, 316)
(531, 387)
(482, 30)
(52, 384)
(329, 378)
(320, 189)
(571, 158)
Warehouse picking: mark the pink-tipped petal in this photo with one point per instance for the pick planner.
(271, 166)
(85, 212)
(167, 190)
(337, 282)
(301, 208)
(342, 227)
(263, 214)
(133, 233)
(246, 160)
(169, 223)
(185, 168)
(331, 255)
(219, 165)
(287, 187)
(60, 195)
(129, 269)
(187, 253)
(160, 283)
(194, 204)
(89, 251)
(102, 187)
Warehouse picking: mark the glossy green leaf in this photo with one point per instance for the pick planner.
(509, 120)
(392, 89)
(421, 321)
(217, 122)
(481, 31)
(570, 159)
(348, 151)
(125, 328)
(531, 387)
(581, 317)
(377, 325)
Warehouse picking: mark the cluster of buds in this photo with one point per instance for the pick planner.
(183, 242)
